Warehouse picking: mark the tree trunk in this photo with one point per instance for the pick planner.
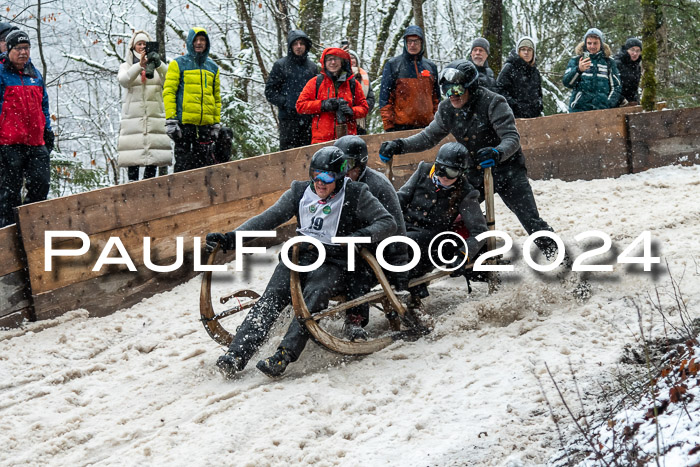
(417, 9)
(160, 28)
(381, 38)
(399, 35)
(492, 30)
(651, 20)
(280, 12)
(245, 17)
(353, 30)
(38, 41)
(310, 16)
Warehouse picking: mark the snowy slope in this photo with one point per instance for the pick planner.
(139, 387)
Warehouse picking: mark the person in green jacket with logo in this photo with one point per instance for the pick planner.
(192, 100)
(592, 75)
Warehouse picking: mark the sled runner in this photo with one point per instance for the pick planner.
(385, 299)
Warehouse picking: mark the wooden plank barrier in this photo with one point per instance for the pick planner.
(190, 204)
(664, 138)
(15, 304)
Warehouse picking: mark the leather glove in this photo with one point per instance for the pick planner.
(345, 108)
(389, 149)
(172, 129)
(487, 157)
(227, 241)
(48, 140)
(215, 130)
(154, 58)
(329, 105)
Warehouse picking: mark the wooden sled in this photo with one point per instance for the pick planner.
(392, 307)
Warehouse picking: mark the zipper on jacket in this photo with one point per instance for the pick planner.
(201, 107)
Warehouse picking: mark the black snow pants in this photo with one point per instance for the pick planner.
(20, 163)
(318, 288)
(194, 149)
(512, 185)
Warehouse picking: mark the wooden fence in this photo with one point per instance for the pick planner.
(589, 145)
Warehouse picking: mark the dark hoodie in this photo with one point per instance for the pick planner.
(409, 93)
(288, 77)
(521, 84)
(630, 72)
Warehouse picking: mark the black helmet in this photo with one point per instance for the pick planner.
(451, 160)
(329, 159)
(461, 72)
(355, 150)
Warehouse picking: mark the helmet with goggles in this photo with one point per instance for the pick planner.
(355, 150)
(328, 165)
(451, 160)
(457, 77)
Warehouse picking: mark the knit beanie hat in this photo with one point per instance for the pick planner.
(594, 32)
(141, 36)
(633, 42)
(16, 38)
(526, 41)
(483, 43)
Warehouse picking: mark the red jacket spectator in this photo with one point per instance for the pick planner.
(336, 86)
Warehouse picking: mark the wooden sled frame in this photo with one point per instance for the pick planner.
(393, 308)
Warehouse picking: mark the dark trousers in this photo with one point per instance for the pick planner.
(318, 287)
(22, 164)
(194, 149)
(294, 133)
(512, 185)
(148, 172)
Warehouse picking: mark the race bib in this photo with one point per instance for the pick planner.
(319, 218)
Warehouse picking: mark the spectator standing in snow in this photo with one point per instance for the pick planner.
(142, 137)
(193, 103)
(26, 138)
(629, 64)
(520, 82)
(333, 97)
(479, 54)
(409, 94)
(287, 78)
(592, 75)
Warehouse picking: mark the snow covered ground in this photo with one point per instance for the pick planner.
(139, 387)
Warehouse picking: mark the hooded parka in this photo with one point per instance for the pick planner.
(521, 84)
(596, 88)
(309, 102)
(630, 72)
(142, 138)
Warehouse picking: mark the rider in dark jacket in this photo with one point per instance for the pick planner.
(629, 65)
(287, 78)
(520, 81)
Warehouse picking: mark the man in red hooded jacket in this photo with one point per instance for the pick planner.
(334, 98)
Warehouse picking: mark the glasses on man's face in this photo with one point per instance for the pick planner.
(413, 41)
(20, 49)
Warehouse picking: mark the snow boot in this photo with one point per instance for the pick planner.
(416, 316)
(229, 364)
(353, 329)
(274, 366)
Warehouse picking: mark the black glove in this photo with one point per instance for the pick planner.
(154, 58)
(345, 108)
(459, 258)
(227, 241)
(48, 140)
(389, 149)
(487, 157)
(329, 105)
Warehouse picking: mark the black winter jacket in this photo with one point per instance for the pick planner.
(630, 74)
(431, 208)
(486, 77)
(288, 77)
(521, 85)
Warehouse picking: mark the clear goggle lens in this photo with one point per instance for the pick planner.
(444, 171)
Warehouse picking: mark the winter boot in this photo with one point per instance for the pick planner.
(417, 317)
(353, 329)
(229, 364)
(274, 366)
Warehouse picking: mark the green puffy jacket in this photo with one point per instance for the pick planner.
(598, 87)
(191, 91)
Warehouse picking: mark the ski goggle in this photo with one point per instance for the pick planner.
(453, 90)
(445, 171)
(325, 177)
(452, 76)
